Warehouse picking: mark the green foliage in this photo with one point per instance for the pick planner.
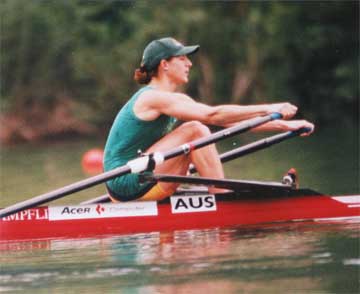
(251, 51)
(37, 41)
(318, 64)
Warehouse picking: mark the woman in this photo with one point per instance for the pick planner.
(145, 123)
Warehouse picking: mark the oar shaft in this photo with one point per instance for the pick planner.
(59, 193)
(256, 146)
(139, 164)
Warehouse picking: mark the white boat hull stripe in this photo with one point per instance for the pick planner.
(353, 199)
(128, 209)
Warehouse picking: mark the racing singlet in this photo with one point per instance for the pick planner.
(127, 135)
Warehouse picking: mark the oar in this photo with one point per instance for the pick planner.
(258, 145)
(147, 162)
(233, 154)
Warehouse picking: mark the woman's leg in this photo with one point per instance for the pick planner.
(206, 159)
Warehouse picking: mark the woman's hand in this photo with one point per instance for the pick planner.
(286, 125)
(287, 110)
(294, 125)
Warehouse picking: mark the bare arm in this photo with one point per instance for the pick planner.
(153, 103)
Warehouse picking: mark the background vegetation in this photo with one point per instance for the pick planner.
(67, 66)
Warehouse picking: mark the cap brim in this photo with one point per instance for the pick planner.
(188, 50)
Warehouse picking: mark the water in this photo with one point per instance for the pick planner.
(279, 258)
(287, 258)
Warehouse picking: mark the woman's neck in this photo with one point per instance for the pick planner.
(163, 84)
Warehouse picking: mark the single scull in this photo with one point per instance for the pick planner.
(191, 209)
(249, 203)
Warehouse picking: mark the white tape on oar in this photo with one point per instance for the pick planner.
(139, 164)
(142, 163)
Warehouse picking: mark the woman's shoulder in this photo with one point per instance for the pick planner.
(158, 94)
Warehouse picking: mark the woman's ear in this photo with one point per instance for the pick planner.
(164, 64)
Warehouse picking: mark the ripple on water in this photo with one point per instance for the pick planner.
(301, 256)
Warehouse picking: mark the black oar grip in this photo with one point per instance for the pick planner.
(302, 131)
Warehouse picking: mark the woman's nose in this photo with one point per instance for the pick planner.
(189, 63)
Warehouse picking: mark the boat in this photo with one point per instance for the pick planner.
(246, 203)
(187, 209)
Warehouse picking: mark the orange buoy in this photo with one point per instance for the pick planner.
(92, 161)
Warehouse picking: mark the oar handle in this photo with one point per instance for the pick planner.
(302, 131)
(276, 115)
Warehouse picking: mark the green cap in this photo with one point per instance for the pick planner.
(163, 49)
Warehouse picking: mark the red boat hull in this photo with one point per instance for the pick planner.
(181, 213)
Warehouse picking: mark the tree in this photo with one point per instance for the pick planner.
(77, 57)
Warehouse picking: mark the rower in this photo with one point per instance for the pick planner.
(147, 122)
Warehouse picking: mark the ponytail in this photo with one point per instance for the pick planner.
(142, 76)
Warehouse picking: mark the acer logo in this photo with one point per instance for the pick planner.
(182, 204)
(99, 209)
(75, 210)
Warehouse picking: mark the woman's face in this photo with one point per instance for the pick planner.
(178, 69)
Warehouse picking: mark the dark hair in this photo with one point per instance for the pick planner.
(142, 76)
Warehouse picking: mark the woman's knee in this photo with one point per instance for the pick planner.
(196, 129)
